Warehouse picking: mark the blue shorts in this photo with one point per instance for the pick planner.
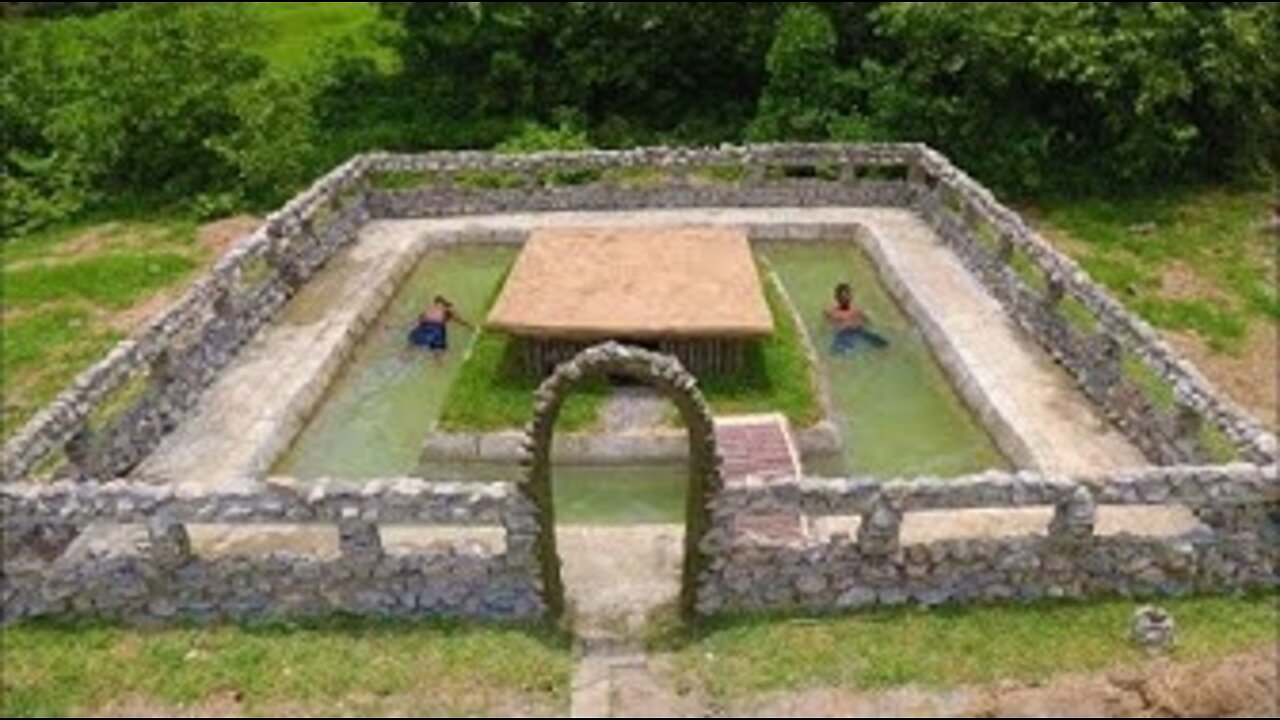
(430, 335)
(848, 340)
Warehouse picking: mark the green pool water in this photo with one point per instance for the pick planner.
(380, 408)
(899, 414)
(594, 494)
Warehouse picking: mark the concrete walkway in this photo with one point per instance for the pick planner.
(251, 413)
(1031, 405)
(1036, 413)
(259, 403)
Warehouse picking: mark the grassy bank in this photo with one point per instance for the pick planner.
(1200, 264)
(1198, 260)
(492, 393)
(72, 292)
(744, 657)
(347, 668)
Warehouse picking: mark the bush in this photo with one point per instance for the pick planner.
(122, 103)
(799, 100)
(270, 150)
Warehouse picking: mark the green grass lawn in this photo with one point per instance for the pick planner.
(491, 393)
(1196, 260)
(744, 657)
(778, 377)
(343, 667)
(294, 33)
(72, 292)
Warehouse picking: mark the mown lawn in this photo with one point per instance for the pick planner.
(491, 393)
(1196, 260)
(1200, 264)
(744, 657)
(341, 667)
(72, 292)
(293, 35)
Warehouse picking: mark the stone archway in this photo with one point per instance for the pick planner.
(666, 375)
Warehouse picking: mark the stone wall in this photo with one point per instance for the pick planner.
(1115, 356)
(443, 184)
(58, 470)
(1236, 548)
(134, 559)
(117, 411)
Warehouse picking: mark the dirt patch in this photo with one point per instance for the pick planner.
(1240, 686)
(1250, 376)
(134, 317)
(215, 238)
(1180, 281)
(220, 235)
(98, 239)
(408, 705)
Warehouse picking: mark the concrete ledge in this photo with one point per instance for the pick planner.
(593, 449)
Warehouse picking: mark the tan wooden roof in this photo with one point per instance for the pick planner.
(596, 283)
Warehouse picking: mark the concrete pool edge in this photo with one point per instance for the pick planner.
(598, 449)
(974, 387)
(240, 294)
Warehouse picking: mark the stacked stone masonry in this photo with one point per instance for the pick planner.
(1235, 549)
(160, 577)
(59, 470)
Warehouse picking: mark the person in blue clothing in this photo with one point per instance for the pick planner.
(432, 330)
(849, 324)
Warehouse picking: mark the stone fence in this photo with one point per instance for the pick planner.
(133, 556)
(66, 458)
(1161, 402)
(116, 412)
(1232, 545)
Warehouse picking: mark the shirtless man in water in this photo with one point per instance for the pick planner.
(432, 330)
(850, 324)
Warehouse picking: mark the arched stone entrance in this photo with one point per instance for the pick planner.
(666, 375)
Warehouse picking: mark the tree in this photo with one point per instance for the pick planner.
(799, 100)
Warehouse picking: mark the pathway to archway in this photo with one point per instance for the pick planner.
(617, 576)
(620, 573)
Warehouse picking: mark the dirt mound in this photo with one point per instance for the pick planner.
(1238, 687)
(220, 235)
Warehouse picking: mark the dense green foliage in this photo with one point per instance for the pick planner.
(49, 9)
(177, 101)
(159, 99)
(1026, 94)
(800, 100)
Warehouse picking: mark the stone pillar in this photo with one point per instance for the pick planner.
(1054, 291)
(1187, 428)
(1005, 252)
(849, 173)
(754, 174)
(81, 453)
(1105, 371)
(161, 367)
(1074, 517)
(880, 529)
(917, 175)
(170, 543)
(359, 540)
(224, 306)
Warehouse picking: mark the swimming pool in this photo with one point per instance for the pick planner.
(896, 408)
(898, 413)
